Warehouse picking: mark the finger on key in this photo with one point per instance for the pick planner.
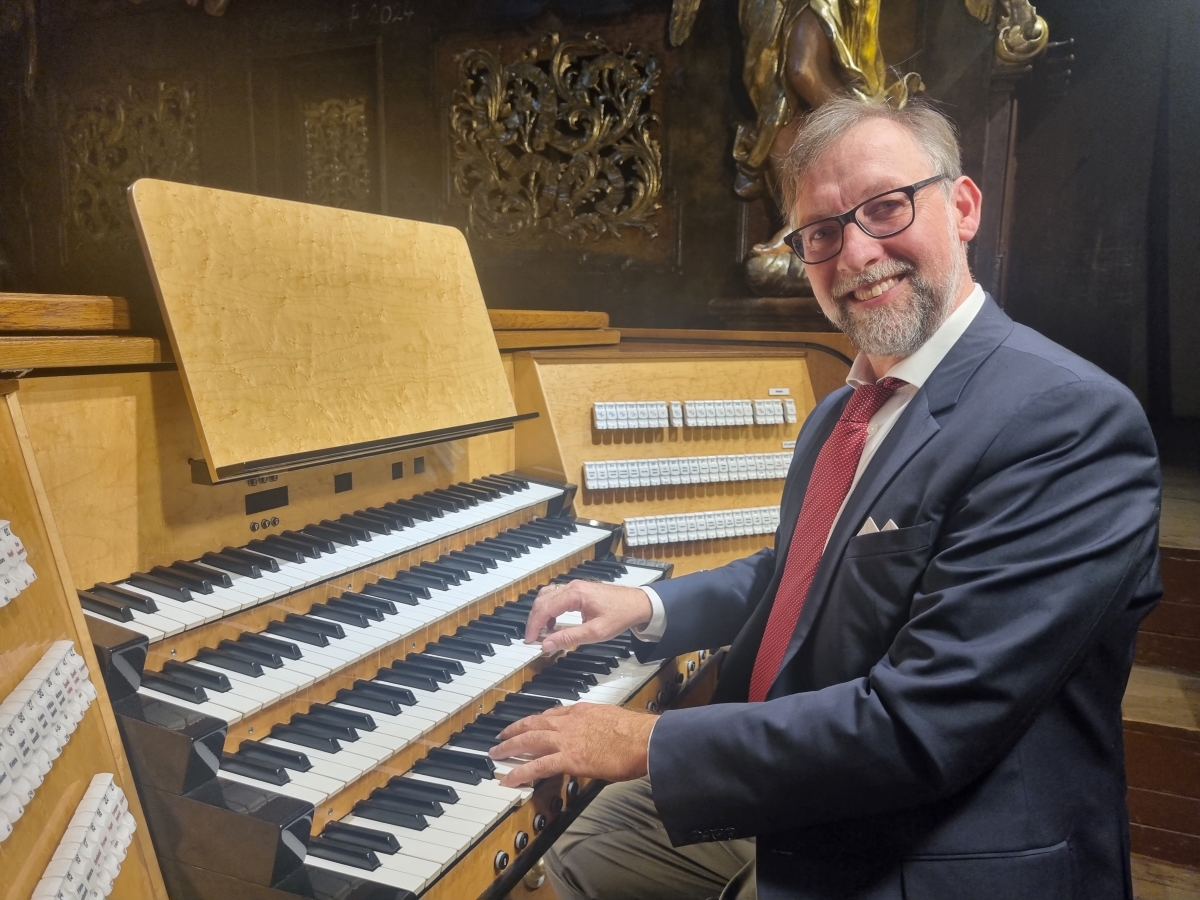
(552, 600)
(543, 767)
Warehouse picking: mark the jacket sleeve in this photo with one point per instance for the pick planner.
(1047, 544)
(708, 609)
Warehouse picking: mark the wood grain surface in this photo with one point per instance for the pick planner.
(19, 352)
(62, 312)
(300, 328)
(538, 319)
(534, 340)
(562, 386)
(114, 447)
(44, 613)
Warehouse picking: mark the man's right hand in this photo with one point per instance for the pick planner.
(608, 610)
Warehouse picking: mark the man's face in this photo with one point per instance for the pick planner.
(888, 294)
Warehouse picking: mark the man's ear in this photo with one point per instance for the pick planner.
(966, 201)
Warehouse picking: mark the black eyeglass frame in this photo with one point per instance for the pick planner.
(792, 238)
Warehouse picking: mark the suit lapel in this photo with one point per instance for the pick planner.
(917, 424)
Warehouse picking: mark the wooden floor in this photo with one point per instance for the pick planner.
(1180, 523)
(1153, 880)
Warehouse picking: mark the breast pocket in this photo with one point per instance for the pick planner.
(880, 571)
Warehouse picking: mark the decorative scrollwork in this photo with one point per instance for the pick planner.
(115, 136)
(558, 142)
(1021, 34)
(337, 169)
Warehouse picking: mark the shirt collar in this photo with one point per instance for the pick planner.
(918, 366)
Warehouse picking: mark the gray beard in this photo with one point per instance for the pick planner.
(900, 329)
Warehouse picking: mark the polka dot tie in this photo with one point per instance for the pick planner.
(827, 488)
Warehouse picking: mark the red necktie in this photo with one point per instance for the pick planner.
(827, 488)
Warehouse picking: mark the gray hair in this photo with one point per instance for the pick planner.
(933, 131)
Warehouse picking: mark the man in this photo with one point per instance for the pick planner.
(922, 696)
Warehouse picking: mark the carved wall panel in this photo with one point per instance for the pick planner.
(337, 168)
(560, 142)
(112, 137)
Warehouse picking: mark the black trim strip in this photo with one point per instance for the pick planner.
(311, 458)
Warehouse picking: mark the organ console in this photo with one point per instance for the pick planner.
(304, 555)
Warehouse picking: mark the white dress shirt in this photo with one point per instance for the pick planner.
(914, 370)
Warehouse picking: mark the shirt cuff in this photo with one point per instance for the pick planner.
(652, 632)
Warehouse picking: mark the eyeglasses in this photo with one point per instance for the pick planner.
(880, 216)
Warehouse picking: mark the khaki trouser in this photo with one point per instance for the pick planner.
(618, 850)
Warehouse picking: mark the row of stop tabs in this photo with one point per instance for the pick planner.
(36, 721)
(89, 856)
(15, 572)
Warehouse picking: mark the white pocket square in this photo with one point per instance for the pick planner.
(869, 526)
(890, 526)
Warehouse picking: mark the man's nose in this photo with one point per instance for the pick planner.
(859, 249)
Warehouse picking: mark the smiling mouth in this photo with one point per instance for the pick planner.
(874, 290)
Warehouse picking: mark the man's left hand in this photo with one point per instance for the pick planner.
(587, 739)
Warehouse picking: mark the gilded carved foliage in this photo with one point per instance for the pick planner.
(558, 142)
(114, 136)
(337, 169)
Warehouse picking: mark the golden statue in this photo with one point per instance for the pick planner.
(798, 53)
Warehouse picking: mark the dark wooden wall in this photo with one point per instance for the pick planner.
(122, 90)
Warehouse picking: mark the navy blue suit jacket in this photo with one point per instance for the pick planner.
(947, 720)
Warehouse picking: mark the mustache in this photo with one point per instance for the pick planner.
(887, 268)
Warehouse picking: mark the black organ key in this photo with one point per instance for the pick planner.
(198, 570)
(540, 704)
(256, 769)
(493, 552)
(399, 519)
(403, 583)
(551, 689)
(388, 800)
(395, 593)
(358, 532)
(317, 543)
(448, 575)
(379, 841)
(501, 624)
(266, 562)
(286, 649)
(471, 761)
(481, 561)
(104, 606)
(486, 633)
(315, 625)
(231, 661)
(477, 644)
(449, 667)
(403, 507)
(338, 614)
(231, 564)
(274, 755)
(162, 586)
(460, 774)
(473, 742)
(438, 648)
(368, 524)
(305, 738)
(582, 664)
(504, 485)
(468, 497)
(367, 610)
(367, 701)
(332, 536)
(140, 602)
(365, 809)
(427, 669)
(385, 605)
(346, 854)
(181, 671)
(182, 579)
(395, 693)
(248, 653)
(313, 725)
(192, 693)
(433, 509)
(409, 678)
(300, 635)
(344, 717)
(441, 792)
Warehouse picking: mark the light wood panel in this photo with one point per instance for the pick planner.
(562, 386)
(1156, 880)
(113, 449)
(63, 312)
(533, 340)
(301, 328)
(537, 319)
(40, 615)
(21, 352)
